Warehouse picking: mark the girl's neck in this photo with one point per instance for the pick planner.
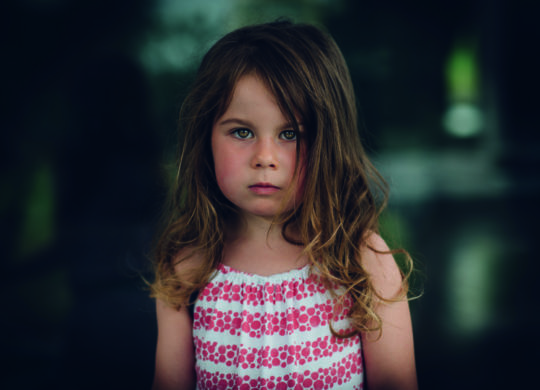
(256, 245)
(258, 229)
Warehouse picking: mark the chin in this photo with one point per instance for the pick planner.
(262, 212)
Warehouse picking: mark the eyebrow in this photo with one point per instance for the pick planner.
(235, 120)
(247, 123)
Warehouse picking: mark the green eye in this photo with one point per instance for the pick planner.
(242, 133)
(289, 135)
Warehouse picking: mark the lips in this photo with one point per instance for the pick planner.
(264, 188)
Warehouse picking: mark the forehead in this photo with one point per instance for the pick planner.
(253, 92)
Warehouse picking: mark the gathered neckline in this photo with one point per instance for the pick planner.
(295, 272)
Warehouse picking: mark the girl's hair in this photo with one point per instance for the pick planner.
(343, 193)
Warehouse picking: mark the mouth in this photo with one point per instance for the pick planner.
(264, 188)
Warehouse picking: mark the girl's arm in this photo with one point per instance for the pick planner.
(389, 360)
(175, 360)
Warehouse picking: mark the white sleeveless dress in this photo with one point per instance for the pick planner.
(271, 332)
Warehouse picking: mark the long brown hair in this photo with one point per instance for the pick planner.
(343, 194)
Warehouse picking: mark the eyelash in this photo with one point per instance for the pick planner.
(295, 136)
(236, 133)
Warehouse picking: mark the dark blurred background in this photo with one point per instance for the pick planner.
(90, 96)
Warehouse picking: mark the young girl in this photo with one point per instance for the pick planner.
(270, 273)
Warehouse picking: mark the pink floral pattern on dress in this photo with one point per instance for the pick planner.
(272, 332)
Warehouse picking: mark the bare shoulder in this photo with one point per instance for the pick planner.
(187, 260)
(381, 266)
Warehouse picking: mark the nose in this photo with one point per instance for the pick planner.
(265, 155)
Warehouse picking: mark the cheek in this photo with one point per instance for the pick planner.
(223, 175)
(226, 170)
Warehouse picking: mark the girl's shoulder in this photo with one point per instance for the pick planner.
(187, 260)
(377, 260)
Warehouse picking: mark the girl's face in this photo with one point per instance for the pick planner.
(254, 150)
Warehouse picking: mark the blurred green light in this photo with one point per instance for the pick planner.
(463, 117)
(462, 73)
(463, 120)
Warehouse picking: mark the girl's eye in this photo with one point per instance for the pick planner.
(242, 133)
(288, 135)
